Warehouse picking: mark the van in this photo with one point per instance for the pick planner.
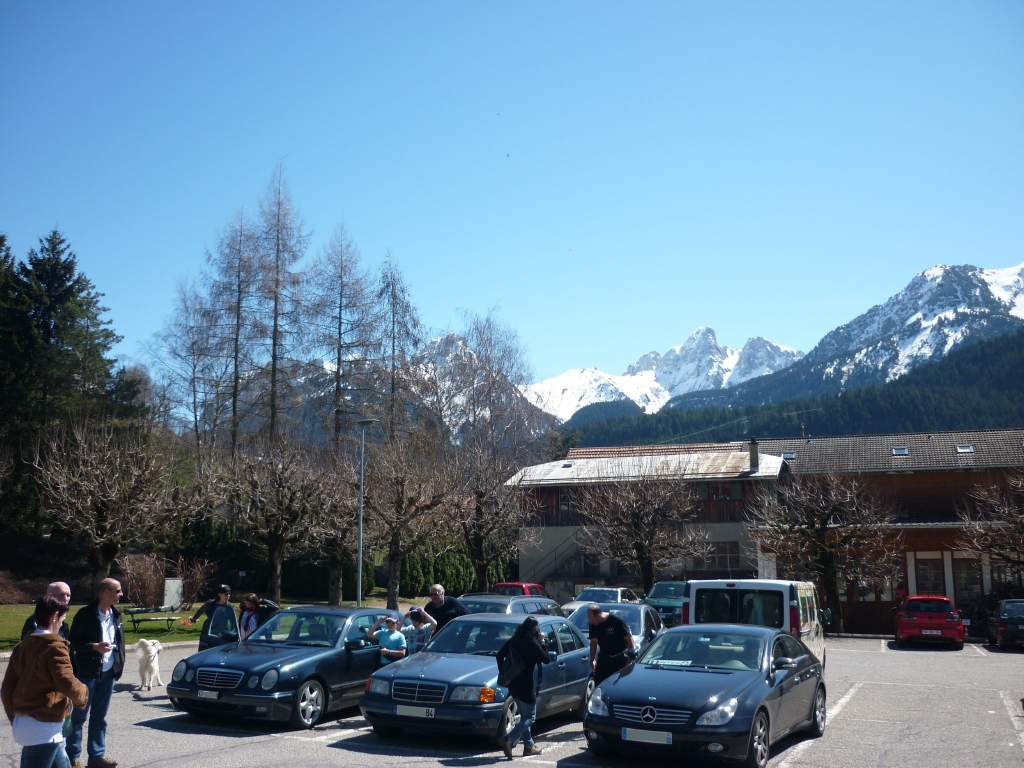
(791, 606)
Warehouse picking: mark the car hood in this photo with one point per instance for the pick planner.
(453, 668)
(570, 607)
(683, 687)
(254, 657)
(664, 602)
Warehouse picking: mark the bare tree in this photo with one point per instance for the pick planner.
(113, 490)
(642, 514)
(232, 297)
(282, 243)
(399, 337)
(830, 528)
(332, 536)
(281, 490)
(993, 523)
(341, 322)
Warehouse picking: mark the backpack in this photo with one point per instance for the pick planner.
(513, 667)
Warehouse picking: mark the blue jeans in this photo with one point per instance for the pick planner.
(50, 755)
(528, 714)
(100, 691)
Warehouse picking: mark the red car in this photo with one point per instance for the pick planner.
(929, 617)
(519, 588)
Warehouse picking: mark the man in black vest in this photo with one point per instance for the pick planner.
(97, 637)
(610, 639)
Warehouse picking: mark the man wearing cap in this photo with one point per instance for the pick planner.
(223, 598)
(391, 641)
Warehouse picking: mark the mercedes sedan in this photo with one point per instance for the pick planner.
(709, 691)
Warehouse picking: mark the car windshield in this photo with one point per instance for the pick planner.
(929, 606)
(628, 613)
(483, 638)
(300, 628)
(666, 591)
(705, 650)
(485, 606)
(1012, 611)
(762, 607)
(598, 595)
(507, 589)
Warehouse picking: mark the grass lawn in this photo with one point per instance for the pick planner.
(12, 618)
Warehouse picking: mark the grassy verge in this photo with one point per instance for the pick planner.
(12, 618)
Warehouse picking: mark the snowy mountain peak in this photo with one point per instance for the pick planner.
(646, 363)
(760, 357)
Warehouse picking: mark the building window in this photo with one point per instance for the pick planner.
(722, 556)
(565, 500)
(966, 581)
(929, 577)
(724, 491)
(1002, 574)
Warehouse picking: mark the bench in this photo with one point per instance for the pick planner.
(139, 615)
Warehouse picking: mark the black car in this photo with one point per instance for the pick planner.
(522, 604)
(714, 690)
(1006, 624)
(303, 663)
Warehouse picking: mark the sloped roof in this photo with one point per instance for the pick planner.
(679, 465)
(978, 449)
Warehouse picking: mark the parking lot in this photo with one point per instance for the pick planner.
(923, 706)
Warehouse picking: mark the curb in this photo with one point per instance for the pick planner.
(131, 648)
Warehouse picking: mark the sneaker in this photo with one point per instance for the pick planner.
(531, 749)
(77, 764)
(506, 747)
(101, 762)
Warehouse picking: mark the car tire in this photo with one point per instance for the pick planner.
(581, 709)
(1002, 644)
(509, 718)
(958, 646)
(387, 731)
(759, 746)
(900, 642)
(310, 704)
(819, 714)
(992, 640)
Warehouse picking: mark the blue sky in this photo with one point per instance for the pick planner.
(608, 176)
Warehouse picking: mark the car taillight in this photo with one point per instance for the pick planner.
(794, 621)
(953, 617)
(1001, 625)
(686, 614)
(366, 688)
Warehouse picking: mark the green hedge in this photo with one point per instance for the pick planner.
(453, 570)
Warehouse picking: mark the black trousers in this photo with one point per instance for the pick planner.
(606, 667)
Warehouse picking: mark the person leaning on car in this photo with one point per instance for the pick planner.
(443, 609)
(612, 637)
(207, 609)
(39, 688)
(390, 640)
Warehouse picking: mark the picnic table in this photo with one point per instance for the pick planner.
(139, 615)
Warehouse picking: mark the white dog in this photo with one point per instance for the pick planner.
(149, 663)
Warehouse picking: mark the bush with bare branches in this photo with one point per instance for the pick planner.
(142, 577)
(993, 523)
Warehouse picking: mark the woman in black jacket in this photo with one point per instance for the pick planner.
(528, 642)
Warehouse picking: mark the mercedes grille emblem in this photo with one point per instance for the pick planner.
(648, 714)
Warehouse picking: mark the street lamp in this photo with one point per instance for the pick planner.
(363, 424)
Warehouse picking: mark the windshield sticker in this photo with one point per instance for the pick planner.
(674, 662)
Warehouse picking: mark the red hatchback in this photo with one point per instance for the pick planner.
(519, 588)
(929, 617)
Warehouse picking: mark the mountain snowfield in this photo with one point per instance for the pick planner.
(940, 309)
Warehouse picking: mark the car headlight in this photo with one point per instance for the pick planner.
(270, 680)
(189, 675)
(254, 681)
(179, 671)
(482, 695)
(380, 685)
(720, 715)
(596, 705)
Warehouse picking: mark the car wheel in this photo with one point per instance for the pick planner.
(310, 704)
(818, 714)
(581, 709)
(510, 717)
(1002, 644)
(958, 645)
(900, 642)
(760, 740)
(991, 640)
(387, 731)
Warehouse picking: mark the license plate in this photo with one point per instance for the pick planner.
(931, 631)
(208, 694)
(648, 737)
(414, 711)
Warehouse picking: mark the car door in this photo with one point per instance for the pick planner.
(552, 676)
(220, 629)
(651, 627)
(805, 678)
(361, 656)
(785, 700)
(575, 658)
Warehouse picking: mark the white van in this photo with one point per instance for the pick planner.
(791, 606)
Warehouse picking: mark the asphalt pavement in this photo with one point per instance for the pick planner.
(926, 707)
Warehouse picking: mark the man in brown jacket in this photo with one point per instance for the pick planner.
(39, 688)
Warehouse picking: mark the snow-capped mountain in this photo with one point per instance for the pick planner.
(941, 309)
(699, 363)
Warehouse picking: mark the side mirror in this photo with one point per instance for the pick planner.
(894, 610)
(228, 636)
(356, 645)
(826, 615)
(552, 655)
(783, 662)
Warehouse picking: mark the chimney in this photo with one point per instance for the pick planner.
(802, 431)
(753, 454)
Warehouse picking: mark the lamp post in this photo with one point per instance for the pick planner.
(363, 424)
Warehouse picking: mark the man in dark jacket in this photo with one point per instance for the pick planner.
(610, 643)
(62, 592)
(528, 643)
(97, 635)
(443, 609)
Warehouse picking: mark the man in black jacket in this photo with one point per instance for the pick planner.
(97, 637)
(62, 592)
(443, 609)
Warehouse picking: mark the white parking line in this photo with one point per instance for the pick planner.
(978, 650)
(799, 749)
(1013, 710)
(885, 644)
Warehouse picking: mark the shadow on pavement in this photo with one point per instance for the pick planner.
(187, 724)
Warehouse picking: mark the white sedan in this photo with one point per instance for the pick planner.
(592, 595)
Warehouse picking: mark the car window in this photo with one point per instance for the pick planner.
(929, 606)
(550, 608)
(779, 649)
(506, 589)
(483, 638)
(762, 607)
(485, 606)
(629, 594)
(714, 649)
(652, 622)
(519, 608)
(1012, 611)
(567, 638)
(597, 595)
(793, 649)
(358, 629)
(550, 639)
(534, 591)
(667, 590)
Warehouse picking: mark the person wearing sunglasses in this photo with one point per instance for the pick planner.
(207, 609)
